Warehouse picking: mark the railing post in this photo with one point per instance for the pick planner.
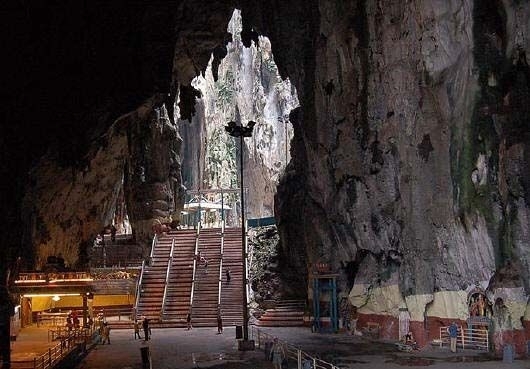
(138, 288)
(299, 358)
(50, 356)
(34, 363)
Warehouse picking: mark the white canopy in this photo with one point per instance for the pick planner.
(196, 203)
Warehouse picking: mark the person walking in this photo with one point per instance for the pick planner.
(278, 353)
(137, 329)
(453, 334)
(188, 321)
(145, 326)
(219, 323)
(105, 334)
(69, 322)
(228, 275)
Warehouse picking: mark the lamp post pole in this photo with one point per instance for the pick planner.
(240, 131)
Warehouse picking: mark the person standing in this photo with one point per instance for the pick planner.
(69, 322)
(145, 326)
(113, 231)
(188, 321)
(137, 329)
(98, 241)
(75, 320)
(353, 319)
(278, 354)
(90, 323)
(228, 275)
(106, 333)
(453, 334)
(219, 323)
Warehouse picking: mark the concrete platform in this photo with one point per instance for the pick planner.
(32, 341)
(177, 348)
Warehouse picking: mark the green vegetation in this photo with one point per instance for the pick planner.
(264, 250)
(479, 135)
(270, 65)
(506, 236)
(221, 167)
(225, 91)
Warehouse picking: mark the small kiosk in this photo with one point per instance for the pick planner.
(324, 299)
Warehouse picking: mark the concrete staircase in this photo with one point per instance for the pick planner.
(153, 279)
(206, 292)
(232, 293)
(171, 311)
(178, 291)
(285, 313)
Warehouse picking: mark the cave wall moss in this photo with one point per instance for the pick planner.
(479, 136)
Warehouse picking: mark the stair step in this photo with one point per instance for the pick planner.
(179, 278)
(280, 323)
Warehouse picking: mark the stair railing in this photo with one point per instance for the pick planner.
(139, 284)
(246, 264)
(292, 352)
(155, 239)
(138, 289)
(221, 264)
(195, 255)
(166, 282)
(250, 255)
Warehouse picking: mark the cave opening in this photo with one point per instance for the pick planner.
(244, 86)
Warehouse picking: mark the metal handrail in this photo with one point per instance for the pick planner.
(194, 265)
(155, 239)
(246, 265)
(291, 351)
(221, 264)
(138, 288)
(139, 285)
(55, 354)
(166, 282)
(172, 248)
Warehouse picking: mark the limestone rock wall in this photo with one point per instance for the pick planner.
(408, 150)
(138, 155)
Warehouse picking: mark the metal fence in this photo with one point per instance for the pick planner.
(295, 354)
(468, 338)
(55, 354)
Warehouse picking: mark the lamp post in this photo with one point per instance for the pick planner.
(241, 131)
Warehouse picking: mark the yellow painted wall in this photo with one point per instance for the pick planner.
(46, 303)
(100, 300)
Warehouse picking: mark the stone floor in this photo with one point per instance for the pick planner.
(202, 347)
